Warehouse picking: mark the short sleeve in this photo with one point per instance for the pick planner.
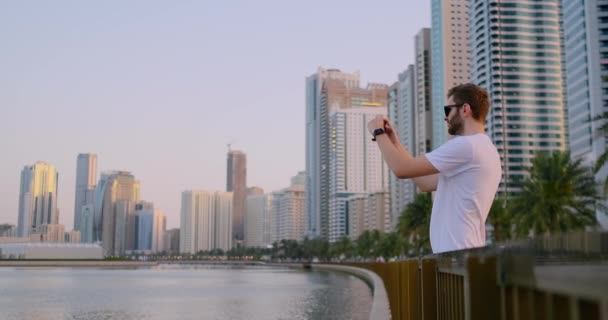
(453, 157)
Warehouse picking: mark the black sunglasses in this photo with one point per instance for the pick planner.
(448, 109)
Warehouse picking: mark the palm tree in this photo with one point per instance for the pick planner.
(559, 195)
(376, 239)
(390, 245)
(501, 220)
(414, 223)
(275, 250)
(342, 247)
(307, 250)
(320, 248)
(292, 249)
(365, 244)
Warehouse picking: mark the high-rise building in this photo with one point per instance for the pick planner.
(317, 148)
(124, 228)
(223, 218)
(356, 165)
(422, 95)
(206, 221)
(114, 217)
(236, 183)
(586, 48)
(288, 213)
(87, 217)
(517, 56)
(401, 112)
(171, 241)
(150, 223)
(258, 220)
(368, 212)
(196, 222)
(86, 175)
(330, 91)
(450, 57)
(37, 198)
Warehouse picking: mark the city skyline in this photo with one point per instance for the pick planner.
(153, 99)
(229, 160)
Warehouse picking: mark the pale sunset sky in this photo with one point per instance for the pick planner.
(159, 88)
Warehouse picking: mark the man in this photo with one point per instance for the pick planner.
(465, 171)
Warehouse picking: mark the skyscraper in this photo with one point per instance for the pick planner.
(86, 175)
(422, 75)
(196, 222)
(258, 221)
(223, 219)
(586, 70)
(356, 165)
(287, 212)
(517, 56)
(37, 198)
(122, 227)
(317, 148)
(206, 221)
(401, 112)
(171, 241)
(114, 222)
(236, 183)
(87, 217)
(149, 227)
(450, 57)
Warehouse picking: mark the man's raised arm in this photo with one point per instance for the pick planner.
(400, 161)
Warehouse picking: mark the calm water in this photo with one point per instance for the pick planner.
(181, 292)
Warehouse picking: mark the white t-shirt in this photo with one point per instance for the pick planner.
(469, 174)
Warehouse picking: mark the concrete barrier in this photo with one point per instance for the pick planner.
(380, 305)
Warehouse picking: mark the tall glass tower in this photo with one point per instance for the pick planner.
(450, 57)
(236, 182)
(402, 113)
(317, 148)
(86, 175)
(517, 56)
(586, 44)
(37, 198)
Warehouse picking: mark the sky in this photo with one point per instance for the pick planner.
(159, 88)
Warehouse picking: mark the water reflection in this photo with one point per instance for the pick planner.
(181, 292)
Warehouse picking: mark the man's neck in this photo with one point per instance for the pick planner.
(473, 128)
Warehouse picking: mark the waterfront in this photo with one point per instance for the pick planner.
(181, 292)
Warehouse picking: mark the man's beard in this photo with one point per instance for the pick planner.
(456, 125)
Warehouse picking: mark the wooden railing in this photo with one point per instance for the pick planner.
(560, 277)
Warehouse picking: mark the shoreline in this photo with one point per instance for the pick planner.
(120, 264)
(76, 263)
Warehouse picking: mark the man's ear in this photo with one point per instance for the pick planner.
(467, 109)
